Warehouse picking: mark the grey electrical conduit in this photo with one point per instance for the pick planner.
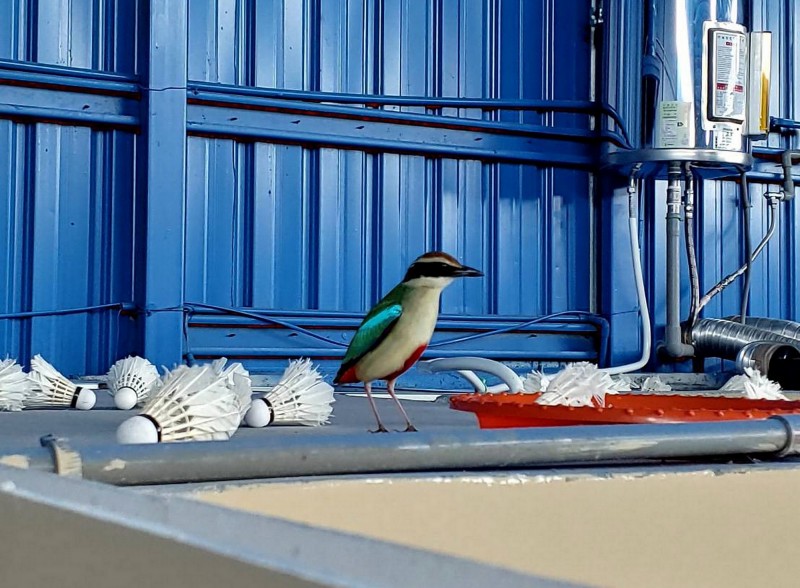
(337, 454)
(674, 345)
(787, 161)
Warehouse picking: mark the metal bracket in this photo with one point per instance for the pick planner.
(792, 425)
(66, 461)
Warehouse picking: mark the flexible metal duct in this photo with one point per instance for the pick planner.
(724, 338)
(750, 347)
(790, 329)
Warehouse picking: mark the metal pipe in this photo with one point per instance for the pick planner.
(337, 454)
(674, 344)
(744, 196)
(787, 160)
(691, 254)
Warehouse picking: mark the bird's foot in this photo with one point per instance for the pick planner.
(409, 429)
(380, 429)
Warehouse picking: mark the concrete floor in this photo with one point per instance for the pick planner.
(350, 415)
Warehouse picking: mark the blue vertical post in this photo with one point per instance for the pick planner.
(166, 181)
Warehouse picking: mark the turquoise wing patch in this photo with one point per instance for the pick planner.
(372, 331)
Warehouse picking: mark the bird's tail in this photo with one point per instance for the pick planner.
(345, 375)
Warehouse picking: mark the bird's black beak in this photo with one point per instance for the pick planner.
(468, 272)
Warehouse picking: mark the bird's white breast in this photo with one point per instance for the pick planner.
(414, 328)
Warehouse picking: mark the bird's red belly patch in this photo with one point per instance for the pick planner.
(349, 377)
(408, 363)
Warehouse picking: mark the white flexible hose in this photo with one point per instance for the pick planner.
(644, 312)
(466, 366)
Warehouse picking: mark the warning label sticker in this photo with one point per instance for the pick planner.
(729, 75)
(675, 128)
(727, 139)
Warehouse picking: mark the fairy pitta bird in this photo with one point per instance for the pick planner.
(395, 333)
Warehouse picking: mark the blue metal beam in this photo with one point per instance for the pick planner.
(166, 181)
(218, 110)
(214, 334)
(57, 76)
(228, 96)
(66, 107)
(291, 128)
(324, 319)
(47, 93)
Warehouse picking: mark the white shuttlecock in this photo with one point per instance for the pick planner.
(301, 397)
(580, 384)
(50, 388)
(754, 385)
(193, 404)
(535, 381)
(131, 381)
(238, 380)
(14, 385)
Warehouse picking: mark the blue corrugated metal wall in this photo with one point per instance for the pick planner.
(67, 183)
(243, 154)
(294, 222)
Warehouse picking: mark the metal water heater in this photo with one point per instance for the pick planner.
(686, 88)
(688, 79)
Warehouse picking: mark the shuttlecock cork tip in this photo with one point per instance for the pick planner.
(136, 430)
(259, 414)
(86, 399)
(125, 398)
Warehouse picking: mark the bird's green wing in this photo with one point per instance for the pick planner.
(374, 329)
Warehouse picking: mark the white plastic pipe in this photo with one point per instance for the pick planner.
(644, 311)
(466, 366)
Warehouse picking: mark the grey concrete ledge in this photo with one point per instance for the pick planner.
(70, 532)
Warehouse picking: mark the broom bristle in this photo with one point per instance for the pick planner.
(580, 384)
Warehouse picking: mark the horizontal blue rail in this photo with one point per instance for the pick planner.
(323, 130)
(221, 97)
(83, 80)
(280, 352)
(267, 335)
(779, 124)
(46, 93)
(428, 102)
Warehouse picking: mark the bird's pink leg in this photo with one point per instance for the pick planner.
(381, 428)
(390, 387)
